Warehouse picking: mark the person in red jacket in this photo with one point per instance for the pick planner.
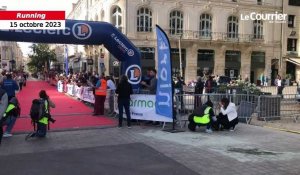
(100, 96)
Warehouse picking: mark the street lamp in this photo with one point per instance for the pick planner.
(180, 56)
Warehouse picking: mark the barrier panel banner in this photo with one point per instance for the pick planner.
(70, 89)
(107, 99)
(87, 95)
(142, 107)
(65, 87)
(78, 92)
(60, 86)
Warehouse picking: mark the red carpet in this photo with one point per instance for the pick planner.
(69, 113)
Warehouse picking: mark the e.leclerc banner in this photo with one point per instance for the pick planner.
(164, 102)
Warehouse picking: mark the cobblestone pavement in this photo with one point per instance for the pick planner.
(248, 150)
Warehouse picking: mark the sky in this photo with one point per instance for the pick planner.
(65, 5)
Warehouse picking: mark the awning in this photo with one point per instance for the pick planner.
(294, 61)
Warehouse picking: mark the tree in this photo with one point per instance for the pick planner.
(41, 57)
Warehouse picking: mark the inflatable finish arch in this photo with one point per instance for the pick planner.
(87, 33)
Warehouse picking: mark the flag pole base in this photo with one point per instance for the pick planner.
(171, 130)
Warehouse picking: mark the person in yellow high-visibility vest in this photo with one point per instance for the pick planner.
(3, 106)
(10, 116)
(100, 96)
(46, 117)
(205, 116)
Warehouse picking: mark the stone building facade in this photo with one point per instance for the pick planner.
(291, 40)
(11, 56)
(211, 34)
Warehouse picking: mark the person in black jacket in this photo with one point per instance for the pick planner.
(124, 90)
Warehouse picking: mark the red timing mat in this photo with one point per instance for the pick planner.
(69, 113)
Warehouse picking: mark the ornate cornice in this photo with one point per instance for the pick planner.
(145, 2)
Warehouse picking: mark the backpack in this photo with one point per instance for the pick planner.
(37, 109)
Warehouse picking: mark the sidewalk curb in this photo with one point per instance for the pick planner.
(284, 130)
(70, 129)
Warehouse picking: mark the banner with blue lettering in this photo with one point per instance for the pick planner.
(164, 96)
(87, 33)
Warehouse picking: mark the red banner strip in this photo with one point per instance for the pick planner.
(32, 15)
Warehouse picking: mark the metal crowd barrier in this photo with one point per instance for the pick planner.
(264, 107)
(187, 104)
(239, 90)
(273, 89)
(290, 106)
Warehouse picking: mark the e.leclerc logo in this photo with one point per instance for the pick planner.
(133, 73)
(82, 31)
(130, 52)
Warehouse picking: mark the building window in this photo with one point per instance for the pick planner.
(258, 29)
(257, 66)
(147, 53)
(232, 27)
(259, 2)
(292, 45)
(205, 25)
(232, 63)
(291, 21)
(144, 20)
(176, 22)
(117, 17)
(147, 58)
(205, 63)
(294, 2)
(175, 58)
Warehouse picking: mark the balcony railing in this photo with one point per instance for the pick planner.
(214, 36)
(292, 53)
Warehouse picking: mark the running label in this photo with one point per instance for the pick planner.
(32, 20)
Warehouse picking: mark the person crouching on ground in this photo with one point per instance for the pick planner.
(10, 116)
(205, 116)
(46, 117)
(124, 90)
(227, 118)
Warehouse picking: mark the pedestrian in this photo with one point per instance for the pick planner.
(10, 116)
(112, 88)
(46, 116)
(266, 81)
(100, 95)
(209, 85)
(152, 88)
(21, 81)
(25, 79)
(198, 93)
(262, 79)
(204, 117)
(227, 118)
(280, 85)
(124, 90)
(147, 78)
(10, 86)
(153, 82)
(3, 106)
